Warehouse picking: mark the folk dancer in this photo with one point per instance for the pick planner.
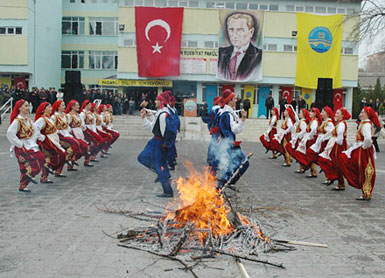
(154, 155)
(357, 162)
(49, 143)
(77, 125)
(268, 136)
(324, 133)
(329, 158)
(230, 155)
(108, 120)
(283, 136)
(67, 141)
(211, 119)
(308, 140)
(173, 154)
(296, 138)
(90, 134)
(99, 130)
(22, 137)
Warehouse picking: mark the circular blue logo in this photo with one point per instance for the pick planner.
(307, 96)
(190, 106)
(248, 94)
(320, 39)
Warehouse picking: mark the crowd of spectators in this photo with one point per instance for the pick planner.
(377, 105)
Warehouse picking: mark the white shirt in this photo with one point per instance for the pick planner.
(149, 124)
(340, 133)
(313, 129)
(29, 144)
(367, 143)
(59, 96)
(235, 124)
(242, 50)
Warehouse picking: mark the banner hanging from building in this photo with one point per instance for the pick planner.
(307, 96)
(318, 49)
(134, 83)
(211, 93)
(249, 94)
(288, 93)
(338, 99)
(6, 81)
(158, 41)
(263, 94)
(240, 45)
(20, 83)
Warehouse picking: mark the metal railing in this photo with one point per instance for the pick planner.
(6, 108)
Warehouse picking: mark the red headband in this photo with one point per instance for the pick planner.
(372, 115)
(306, 114)
(291, 114)
(228, 95)
(55, 106)
(101, 107)
(345, 113)
(216, 100)
(93, 106)
(40, 110)
(84, 105)
(318, 114)
(15, 110)
(330, 113)
(276, 111)
(69, 106)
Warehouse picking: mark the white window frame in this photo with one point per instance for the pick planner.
(103, 20)
(79, 20)
(71, 53)
(290, 8)
(289, 46)
(129, 42)
(14, 30)
(99, 55)
(329, 10)
(299, 8)
(270, 5)
(271, 46)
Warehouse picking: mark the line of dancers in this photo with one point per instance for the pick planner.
(319, 138)
(59, 135)
(160, 154)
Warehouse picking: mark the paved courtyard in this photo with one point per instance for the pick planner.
(57, 230)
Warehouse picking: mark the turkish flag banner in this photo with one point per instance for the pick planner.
(20, 83)
(158, 41)
(338, 98)
(287, 92)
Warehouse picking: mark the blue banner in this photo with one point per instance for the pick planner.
(211, 93)
(263, 94)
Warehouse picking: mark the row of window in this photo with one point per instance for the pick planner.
(293, 48)
(74, 59)
(319, 9)
(98, 26)
(94, 1)
(162, 3)
(9, 30)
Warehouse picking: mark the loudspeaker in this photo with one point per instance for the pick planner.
(72, 76)
(324, 93)
(73, 91)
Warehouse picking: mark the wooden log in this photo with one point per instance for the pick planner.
(242, 268)
(303, 243)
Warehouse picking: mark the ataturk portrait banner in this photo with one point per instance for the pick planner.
(240, 45)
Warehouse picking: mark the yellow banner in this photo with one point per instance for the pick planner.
(6, 81)
(249, 94)
(318, 49)
(135, 83)
(307, 96)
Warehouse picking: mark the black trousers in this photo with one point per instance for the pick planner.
(375, 144)
(268, 110)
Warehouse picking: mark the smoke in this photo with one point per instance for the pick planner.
(229, 158)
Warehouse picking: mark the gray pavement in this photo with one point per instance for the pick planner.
(56, 231)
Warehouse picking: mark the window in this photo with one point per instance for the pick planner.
(129, 42)
(129, 2)
(210, 5)
(72, 26)
(149, 3)
(72, 59)
(340, 10)
(349, 11)
(230, 5)
(220, 5)
(183, 3)
(139, 3)
(2, 30)
(309, 9)
(273, 7)
(104, 26)
(288, 48)
(209, 44)
(290, 8)
(332, 10)
(160, 3)
(348, 51)
(253, 6)
(18, 30)
(263, 7)
(299, 8)
(103, 59)
(72, 1)
(272, 47)
(173, 3)
(183, 44)
(320, 10)
(193, 44)
(295, 48)
(241, 6)
(193, 4)
(11, 30)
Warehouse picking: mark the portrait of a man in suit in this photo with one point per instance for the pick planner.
(239, 60)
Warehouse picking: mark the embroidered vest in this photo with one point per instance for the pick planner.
(284, 124)
(60, 123)
(112, 118)
(98, 119)
(89, 119)
(24, 131)
(76, 120)
(275, 124)
(334, 131)
(106, 118)
(298, 129)
(359, 134)
(49, 127)
(308, 128)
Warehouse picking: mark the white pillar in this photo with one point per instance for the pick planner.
(238, 90)
(275, 95)
(349, 100)
(199, 92)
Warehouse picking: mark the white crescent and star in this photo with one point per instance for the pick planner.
(338, 95)
(164, 25)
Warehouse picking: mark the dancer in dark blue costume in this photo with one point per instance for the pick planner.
(173, 154)
(229, 150)
(154, 155)
(211, 120)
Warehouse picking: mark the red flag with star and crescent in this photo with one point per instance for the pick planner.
(158, 41)
(338, 97)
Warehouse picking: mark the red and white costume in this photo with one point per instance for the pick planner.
(270, 132)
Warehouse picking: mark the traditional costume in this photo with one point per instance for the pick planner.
(99, 129)
(23, 139)
(173, 154)
(308, 140)
(77, 125)
(357, 163)
(154, 155)
(49, 144)
(230, 155)
(324, 133)
(283, 136)
(67, 141)
(90, 133)
(108, 120)
(268, 136)
(329, 158)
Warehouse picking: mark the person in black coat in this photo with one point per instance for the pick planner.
(282, 107)
(239, 60)
(246, 106)
(269, 104)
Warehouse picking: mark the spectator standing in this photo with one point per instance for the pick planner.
(294, 104)
(301, 103)
(282, 106)
(246, 106)
(376, 106)
(362, 103)
(371, 103)
(60, 95)
(238, 103)
(131, 106)
(382, 108)
(269, 104)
